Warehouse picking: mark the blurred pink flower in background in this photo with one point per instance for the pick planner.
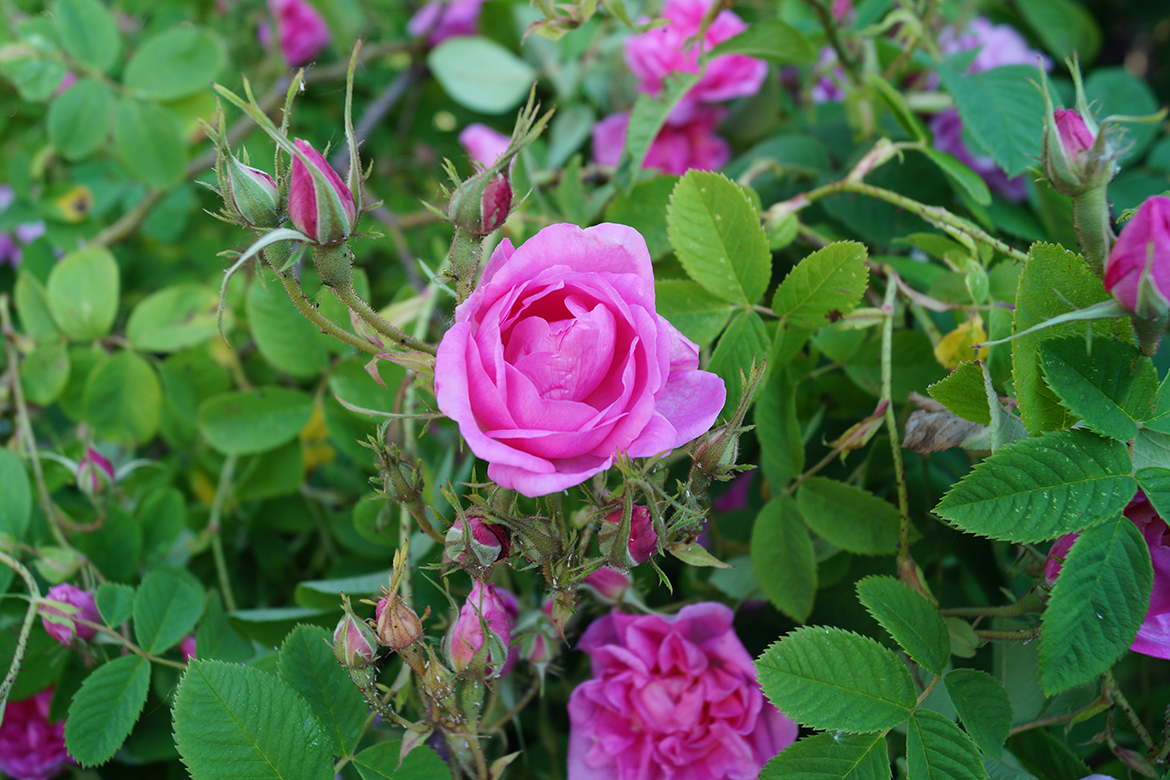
(677, 148)
(32, 748)
(187, 648)
(11, 244)
(445, 20)
(607, 584)
(948, 137)
(301, 28)
(483, 144)
(672, 698)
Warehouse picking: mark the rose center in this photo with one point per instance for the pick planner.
(568, 357)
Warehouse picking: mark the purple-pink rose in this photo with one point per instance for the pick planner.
(947, 128)
(1137, 270)
(32, 748)
(672, 698)
(440, 21)
(483, 144)
(187, 648)
(1075, 137)
(675, 150)
(1153, 638)
(998, 44)
(65, 628)
(657, 53)
(559, 361)
(302, 30)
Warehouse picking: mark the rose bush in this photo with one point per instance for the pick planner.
(559, 361)
(671, 697)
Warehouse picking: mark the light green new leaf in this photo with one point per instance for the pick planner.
(105, 708)
(307, 664)
(783, 551)
(849, 517)
(32, 306)
(1043, 487)
(1097, 605)
(983, 707)
(174, 318)
(15, 495)
(838, 756)
(151, 141)
(1108, 388)
(1065, 27)
(380, 762)
(83, 293)
(829, 678)
(235, 721)
(698, 314)
(481, 74)
(824, 286)
(909, 618)
(716, 233)
(937, 749)
(174, 63)
(166, 609)
(1002, 111)
(251, 421)
(123, 399)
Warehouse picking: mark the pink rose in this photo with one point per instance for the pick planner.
(445, 20)
(1075, 137)
(558, 361)
(1153, 638)
(947, 128)
(608, 584)
(302, 30)
(671, 698)
(677, 148)
(32, 748)
(86, 610)
(488, 605)
(1137, 270)
(326, 215)
(483, 144)
(657, 53)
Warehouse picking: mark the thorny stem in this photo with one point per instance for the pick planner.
(213, 527)
(126, 643)
(926, 692)
(1118, 698)
(1023, 635)
(25, 629)
(305, 307)
(1050, 721)
(358, 305)
(1032, 601)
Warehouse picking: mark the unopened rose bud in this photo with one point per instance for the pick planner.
(60, 623)
(254, 194)
(642, 542)
(1075, 137)
(354, 643)
(1137, 271)
(94, 472)
(480, 205)
(466, 647)
(489, 543)
(608, 585)
(322, 210)
(497, 199)
(398, 625)
(187, 648)
(1055, 561)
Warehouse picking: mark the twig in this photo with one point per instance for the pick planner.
(501, 721)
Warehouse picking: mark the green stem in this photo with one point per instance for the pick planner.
(1023, 635)
(355, 303)
(1032, 601)
(126, 643)
(25, 629)
(1119, 699)
(1091, 223)
(213, 527)
(1053, 720)
(464, 257)
(907, 569)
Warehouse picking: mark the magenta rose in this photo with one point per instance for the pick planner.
(442, 20)
(32, 748)
(558, 361)
(483, 144)
(66, 628)
(657, 53)
(672, 698)
(302, 30)
(1137, 271)
(675, 150)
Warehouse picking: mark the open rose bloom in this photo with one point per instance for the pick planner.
(671, 697)
(558, 361)
(32, 748)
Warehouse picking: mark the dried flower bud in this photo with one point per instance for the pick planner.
(398, 625)
(58, 620)
(322, 210)
(253, 194)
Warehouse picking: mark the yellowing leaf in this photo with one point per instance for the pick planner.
(955, 347)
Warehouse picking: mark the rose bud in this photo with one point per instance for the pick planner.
(1075, 137)
(466, 647)
(91, 470)
(59, 623)
(187, 648)
(324, 209)
(642, 542)
(1137, 271)
(480, 205)
(608, 585)
(254, 194)
(354, 643)
(398, 625)
(489, 543)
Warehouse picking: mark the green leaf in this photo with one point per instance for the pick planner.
(115, 602)
(1151, 448)
(481, 74)
(1001, 110)
(644, 209)
(151, 142)
(909, 618)
(781, 446)
(162, 516)
(983, 707)
(647, 118)
(32, 305)
(963, 393)
(251, 421)
(829, 678)
(914, 365)
(15, 495)
(1155, 483)
(174, 63)
(937, 749)
(284, 337)
(699, 315)
(308, 666)
(79, 120)
(1159, 419)
(83, 293)
(773, 40)
(1053, 282)
(1108, 388)
(116, 547)
(44, 372)
(174, 318)
(848, 517)
(1115, 91)
(105, 708)
(745, 341)
(1043, 487)
(166, 609)
(88, 32)
(1097, 605)
(1047, 757)
(277, 472)
(716, 233)
(326, 594)
(964, 179)
(837, 756)
(123, 399)
(1066, 28)
(224, 711)
(824, 286)
(216, 639)
(380, 762)
(782, 549)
